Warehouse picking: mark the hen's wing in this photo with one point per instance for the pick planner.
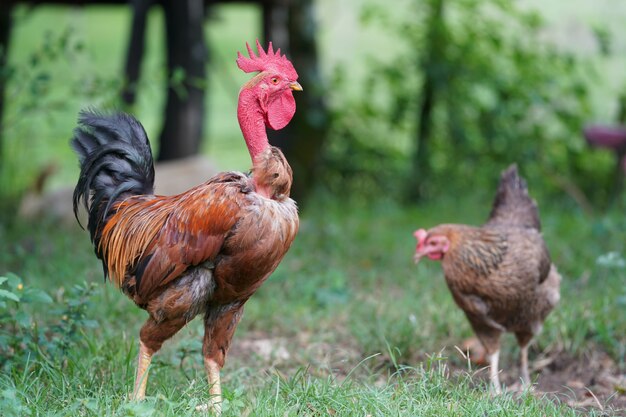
(472, 270)
(154, 238)
(512, 205)
(478, 253)
(495, 273)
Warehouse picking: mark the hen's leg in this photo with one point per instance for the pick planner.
(524, 366)
(219, 327)
(152, 336)
(494, 371)
(490, 338)
(523, 339)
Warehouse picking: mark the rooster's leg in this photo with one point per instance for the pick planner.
(141, 379)
(215, 387)
(219, 327)
(152, 336)
(494, 372)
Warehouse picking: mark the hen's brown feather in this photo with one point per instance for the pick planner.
(494, 274)
(501, 274)
(512, 205)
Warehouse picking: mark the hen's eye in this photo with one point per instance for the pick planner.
(274, 80)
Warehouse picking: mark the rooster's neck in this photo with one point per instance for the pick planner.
(252, 122)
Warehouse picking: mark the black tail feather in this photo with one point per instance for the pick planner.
(115, 162)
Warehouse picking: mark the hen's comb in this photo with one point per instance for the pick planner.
(266, 61)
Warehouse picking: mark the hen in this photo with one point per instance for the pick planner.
(207, 250)
(499, 274)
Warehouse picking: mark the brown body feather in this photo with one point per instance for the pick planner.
(497, 275)
(512, 205)
(500, 274)
(222, 229)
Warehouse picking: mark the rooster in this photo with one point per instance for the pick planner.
(499, 274)
(207, 250)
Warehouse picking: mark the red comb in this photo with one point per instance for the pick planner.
(420, 235)
(266, 61)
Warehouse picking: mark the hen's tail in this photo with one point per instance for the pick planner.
(115, 163)
(512, 205)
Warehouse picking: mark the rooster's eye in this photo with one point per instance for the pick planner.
(274, 80)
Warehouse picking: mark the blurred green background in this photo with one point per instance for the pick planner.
(516, 83)
(508, 81)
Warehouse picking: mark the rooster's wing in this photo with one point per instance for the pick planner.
(154, 239)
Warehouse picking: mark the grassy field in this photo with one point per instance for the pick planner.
(347, 325)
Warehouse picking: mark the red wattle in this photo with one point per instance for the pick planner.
(281, 110)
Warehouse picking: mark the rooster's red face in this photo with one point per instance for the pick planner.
(274, 92)
(274, 84)
(432, 246)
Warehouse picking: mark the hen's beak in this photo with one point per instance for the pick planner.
(295, 86)
(417, 257)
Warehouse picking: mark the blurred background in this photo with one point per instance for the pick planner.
(409, 112)
(418, 100)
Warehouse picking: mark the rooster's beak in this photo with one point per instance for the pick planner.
(295, 86)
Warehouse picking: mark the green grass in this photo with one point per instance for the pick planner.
(346, 304)
(417, 392)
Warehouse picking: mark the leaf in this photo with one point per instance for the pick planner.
(178, 76)
(9, 295)
(22, 319)
(13, 280)
(33, 295)
(3, 280)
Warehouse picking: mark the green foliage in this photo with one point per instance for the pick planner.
(363, 156)
(501, 94)
(34, 93)
(25, 338)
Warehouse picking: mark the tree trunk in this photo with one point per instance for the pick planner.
(136, 44)
(303, 140)
(186, 60)
(430, 64)
(6, 8)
